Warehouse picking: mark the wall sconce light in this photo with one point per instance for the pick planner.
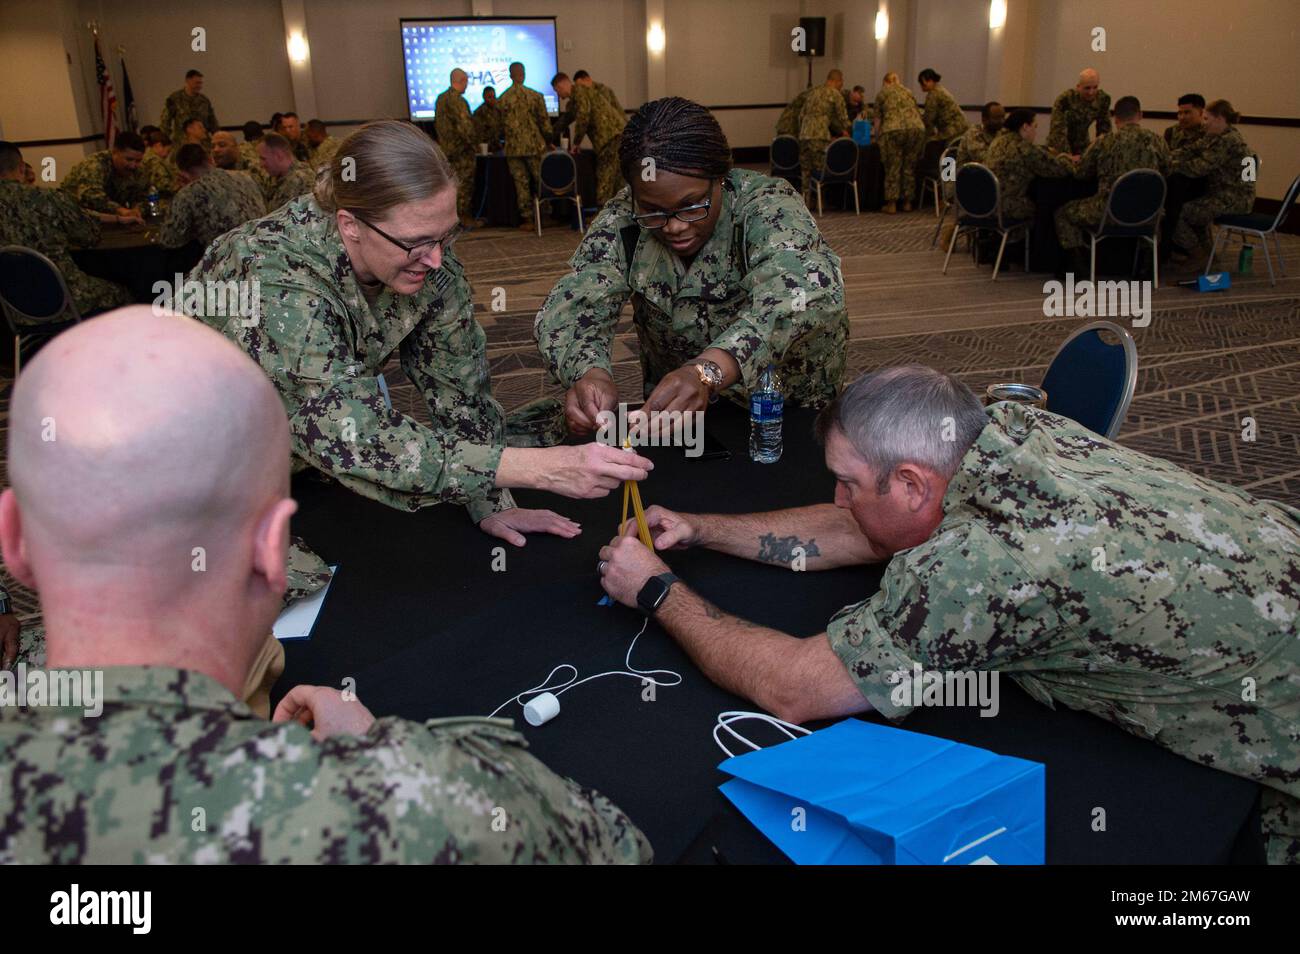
(298, 52)
(882, 24)
(997, 14)
(655, 40)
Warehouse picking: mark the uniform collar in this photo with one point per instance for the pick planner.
(709, 275)
(164, 686)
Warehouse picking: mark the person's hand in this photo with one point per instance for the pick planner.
(624, 567)
(680, 390)
(511, 525)
(574, 150)
(591, 470)
(324, 710)
(129, 217)
(670, 531)
(592, 393)
(9, 629)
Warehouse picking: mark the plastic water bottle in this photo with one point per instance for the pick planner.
(1246, 260)
(766, 409)
(152, 210)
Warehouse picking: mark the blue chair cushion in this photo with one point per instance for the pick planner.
(1257, 221)
(1086, 382)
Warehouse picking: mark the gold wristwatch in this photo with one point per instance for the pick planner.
(711, 377)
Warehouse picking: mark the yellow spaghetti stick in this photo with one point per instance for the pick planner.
(631, 490)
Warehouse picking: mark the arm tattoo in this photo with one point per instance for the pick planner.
(780, 550)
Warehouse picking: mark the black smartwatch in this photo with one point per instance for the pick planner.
(654, 592)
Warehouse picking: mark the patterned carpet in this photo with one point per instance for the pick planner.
(1206, 362)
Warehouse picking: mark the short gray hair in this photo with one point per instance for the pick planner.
(899, 415)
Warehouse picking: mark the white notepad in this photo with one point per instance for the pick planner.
(298, 620)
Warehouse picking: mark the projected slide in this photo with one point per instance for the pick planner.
(484, 49)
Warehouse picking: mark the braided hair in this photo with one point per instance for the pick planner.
(679, 136)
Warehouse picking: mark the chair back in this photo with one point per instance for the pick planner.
(1136, 199)
(32, 290)
(978, 195)
(559, 175)
(949, 186)
(841, 160)
(785, 154)
(1285, 207)
(1091, 381)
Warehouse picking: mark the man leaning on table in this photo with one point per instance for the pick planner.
(1097, 577)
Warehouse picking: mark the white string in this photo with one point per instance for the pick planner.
(574, 682)
(735, 715)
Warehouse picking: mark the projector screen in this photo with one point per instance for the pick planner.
(482, 47)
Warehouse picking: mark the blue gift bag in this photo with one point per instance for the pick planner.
(861, 793)
(862, 132)
(1216, 281)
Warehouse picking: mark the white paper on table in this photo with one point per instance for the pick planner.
(298, 620)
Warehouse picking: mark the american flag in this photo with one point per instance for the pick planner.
(107, 98)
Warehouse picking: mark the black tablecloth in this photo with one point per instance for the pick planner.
(130, 257)
(418, 617)
(494, 190)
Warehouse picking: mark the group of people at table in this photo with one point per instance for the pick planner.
(1204, 144)
(988, 522)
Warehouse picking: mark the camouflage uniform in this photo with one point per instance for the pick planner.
(251, 162)
(741, 300)
(95, 185)
(595, 116)
(455, 128)
(611, 97)
(323, 346)
(788, 122)
(1176, 137)
(526, 127)
(943, 116)
(50, 221)
(822, 118)
(1184, 636)
(489, 125)
(974, 145)
(181, 106)
(1017, 162)
(123, 788)
(323, 152)
(902, 138)
(212, 205)
(161, 174)
(1071, 117)
(1128, 147)
(1219, 159)
(299, 180)
(301, 148)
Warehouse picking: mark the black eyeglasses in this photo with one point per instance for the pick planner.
(690, 213)
(414, 252)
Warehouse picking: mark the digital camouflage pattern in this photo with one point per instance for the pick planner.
(1017, 162)
(51, 222)
(787, 309)
(1129, 147)
(181, 106)
(251, 162)
(943, 117)
(822, 118)
(974, 145)
(1110, 582)
(612, 97)
(213, 204)
(526, 129)
(1176, 137)
(160, 173)
(94, 184)
(299, 180)
(787, 124)
(489, 125)
(1072, 115)
(458, 141)
(902, 139)
(1221, 161)
(594, 115)
(324, 151)
(323, 347)
(126, 787)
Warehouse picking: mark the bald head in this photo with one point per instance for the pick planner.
(147, 454)
(1089, 83)
(459, 80)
